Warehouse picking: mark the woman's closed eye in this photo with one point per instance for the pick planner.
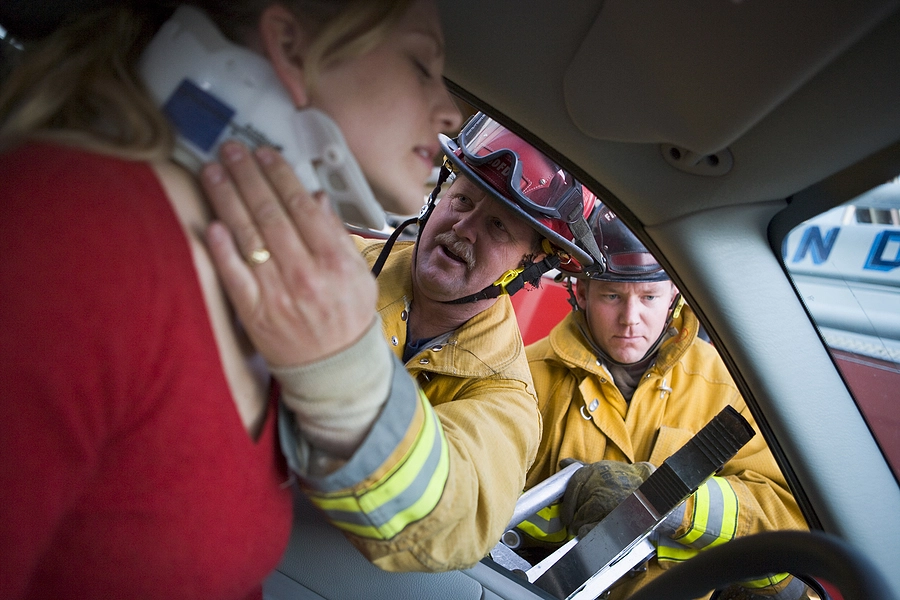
(425, 54)
(422, 69)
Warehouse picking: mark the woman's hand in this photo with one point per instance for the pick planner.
(297, 282)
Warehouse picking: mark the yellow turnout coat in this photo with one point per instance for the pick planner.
(586, 417)
(479, 394)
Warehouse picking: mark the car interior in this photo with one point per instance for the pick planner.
(713, 129)
(718, 130)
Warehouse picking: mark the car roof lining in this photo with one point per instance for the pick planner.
(776, 157)
(701, 74)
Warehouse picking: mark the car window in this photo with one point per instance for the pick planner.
(845, 266)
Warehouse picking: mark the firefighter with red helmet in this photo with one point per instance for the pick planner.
(536, 191)
(623, 382)
(422, 466)
(508, 214)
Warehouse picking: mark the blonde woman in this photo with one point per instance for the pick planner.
(139, 435)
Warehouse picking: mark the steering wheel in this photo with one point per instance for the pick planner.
(811, 553)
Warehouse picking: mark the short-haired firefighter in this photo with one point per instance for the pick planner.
(623, 382)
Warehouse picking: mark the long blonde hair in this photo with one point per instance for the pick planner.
(79, 84)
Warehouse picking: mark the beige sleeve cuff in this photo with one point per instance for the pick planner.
(336, 400)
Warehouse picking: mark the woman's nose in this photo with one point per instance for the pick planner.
(446, 114)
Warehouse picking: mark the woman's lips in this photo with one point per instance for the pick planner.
(427, 154)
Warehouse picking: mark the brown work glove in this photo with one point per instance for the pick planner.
(596, 489)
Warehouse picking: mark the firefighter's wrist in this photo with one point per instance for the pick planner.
(336, 400)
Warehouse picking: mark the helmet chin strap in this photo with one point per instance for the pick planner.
(513, 280)
(421, 219)
(582, 233)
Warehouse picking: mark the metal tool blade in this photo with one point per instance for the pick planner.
(640, 513)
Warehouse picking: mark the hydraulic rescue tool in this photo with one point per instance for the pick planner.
(584, 568)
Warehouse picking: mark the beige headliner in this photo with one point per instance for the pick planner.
(773, 81)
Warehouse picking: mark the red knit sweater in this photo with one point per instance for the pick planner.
(125, 469)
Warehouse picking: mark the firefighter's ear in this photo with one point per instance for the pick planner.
(285, 42)
(581, 292)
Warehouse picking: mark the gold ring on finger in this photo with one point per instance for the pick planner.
(259, 256)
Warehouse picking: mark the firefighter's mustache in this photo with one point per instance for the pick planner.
(459, 248)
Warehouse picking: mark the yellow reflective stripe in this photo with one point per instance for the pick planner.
(766, 582)
(429, 498)
(699, 518)
(728, 527)
(545, 525)
(713, 521)
(668, 550)
(421, 508)
(357, 513)
(360, 530)
(398, 475)
(706, 534)
(534, 531)
(357, 508)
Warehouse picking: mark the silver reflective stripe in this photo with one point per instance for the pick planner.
(379, 516)
(715, 514)
(386, 434)
(713, 529)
